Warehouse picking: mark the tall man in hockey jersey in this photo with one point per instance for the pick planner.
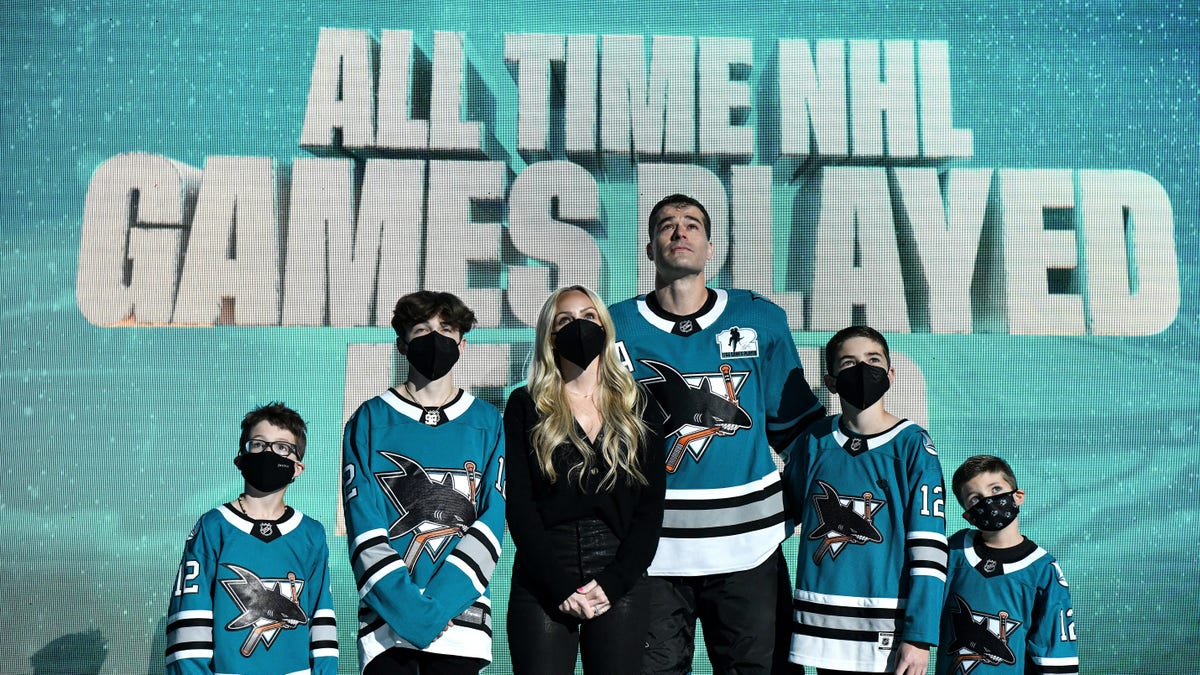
(252, 592)
(866, 488)
(1008, 608)
(423, 487)
(723, 366)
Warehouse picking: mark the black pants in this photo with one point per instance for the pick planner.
(746, 615)
(400, 661)
(544, 641)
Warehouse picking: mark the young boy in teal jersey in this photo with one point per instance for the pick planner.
(866, 489)
(1008, 609)
(252, 592)
(423, 489)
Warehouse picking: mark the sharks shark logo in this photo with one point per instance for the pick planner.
(267, 606)
(697, 406)
(979, 637)
(435, 504)
(843, 520)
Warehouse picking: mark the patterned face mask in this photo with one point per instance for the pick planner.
(994, 512)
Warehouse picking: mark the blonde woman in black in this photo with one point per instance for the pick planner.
(585, 497)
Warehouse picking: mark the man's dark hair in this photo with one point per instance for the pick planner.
(277, 414)
(977, 465)
(420, 306)
(835, 343)
(678, 200)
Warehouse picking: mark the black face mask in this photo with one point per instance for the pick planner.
(432, 355)
(266, 471)
(862, 384)
(579, 342)
(993, 513)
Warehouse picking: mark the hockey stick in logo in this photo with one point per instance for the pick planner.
(681, 445)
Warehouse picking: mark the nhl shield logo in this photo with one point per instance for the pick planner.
(265, 528)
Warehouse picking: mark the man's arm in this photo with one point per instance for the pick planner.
(791, 405)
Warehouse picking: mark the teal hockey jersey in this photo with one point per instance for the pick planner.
(730, 385)
(424, 504)
(252, 597)
(871, 567)
(1007, 611)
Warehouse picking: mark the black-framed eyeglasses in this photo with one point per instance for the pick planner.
(281, 448)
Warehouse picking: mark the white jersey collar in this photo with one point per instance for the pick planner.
(452, 410)
(704, 320)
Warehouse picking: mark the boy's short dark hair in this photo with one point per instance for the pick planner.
(420, 306)
(278, 415)
(677, 200)
(977, 465)
(835, 343)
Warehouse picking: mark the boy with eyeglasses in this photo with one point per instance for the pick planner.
(252, 592)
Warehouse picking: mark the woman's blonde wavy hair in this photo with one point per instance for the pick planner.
(617, 397)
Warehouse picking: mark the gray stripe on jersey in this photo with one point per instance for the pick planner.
(477, 550)
(771, 505)
(847, 622)
(929, 553)
(188, 634)
(323, 631)
(929, 547)
(372, 556)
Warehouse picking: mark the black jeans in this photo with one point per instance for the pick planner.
(746, 617)
(544, 641)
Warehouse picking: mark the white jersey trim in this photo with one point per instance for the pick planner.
(456, 641)
(872, 441)
(726, 492)
(848, 600)
(190, 614)
(1055, 661)
(704, 320)
(720, 555)
(189, 654)
(973, 558)
(240, 522)
(415, 412)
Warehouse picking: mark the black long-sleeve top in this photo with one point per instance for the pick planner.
(633, 511)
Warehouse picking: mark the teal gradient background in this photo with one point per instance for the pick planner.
(116, 439)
